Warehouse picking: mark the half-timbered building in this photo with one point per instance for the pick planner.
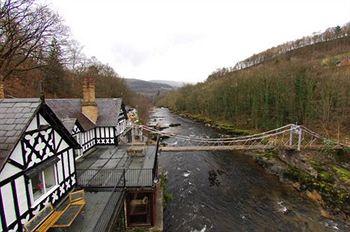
(92, 121)
(37, 165)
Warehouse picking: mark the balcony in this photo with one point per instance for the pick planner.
(106, 166)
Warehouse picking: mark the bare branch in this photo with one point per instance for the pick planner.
(26, 32)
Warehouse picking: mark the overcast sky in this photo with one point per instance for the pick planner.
(186, 40)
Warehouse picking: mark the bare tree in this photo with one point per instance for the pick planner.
(26, 31)
(76, 59)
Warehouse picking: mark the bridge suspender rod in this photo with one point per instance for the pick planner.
(291, 138)
(233, 140)
(221, 139)
(240, 138)
(300, 131)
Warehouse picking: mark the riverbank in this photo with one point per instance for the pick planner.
(223, 127)
(218, 191)
(322, 176)
(315, 175)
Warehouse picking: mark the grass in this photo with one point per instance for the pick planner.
(335, 197)
(323, 173)
(167, 196)
(343, 173)
(333, 60)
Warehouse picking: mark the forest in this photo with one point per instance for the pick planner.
(309, 85)
(36, 47)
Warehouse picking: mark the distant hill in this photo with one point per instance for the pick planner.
(147, 88)
(175, 84)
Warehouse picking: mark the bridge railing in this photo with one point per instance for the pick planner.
(291, 135)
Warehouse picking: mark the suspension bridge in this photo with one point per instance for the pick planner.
(289, 137)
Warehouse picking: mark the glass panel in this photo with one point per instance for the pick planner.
(49, 177)
(37, 185)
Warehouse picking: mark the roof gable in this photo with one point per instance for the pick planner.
(108, 109)
(15, 115)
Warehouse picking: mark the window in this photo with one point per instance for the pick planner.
(43, 181)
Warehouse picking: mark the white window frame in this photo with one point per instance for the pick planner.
(46, 193)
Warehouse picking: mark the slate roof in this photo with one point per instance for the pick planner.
(108, 109)
(69, 110)
(68, 123)
(15, 115)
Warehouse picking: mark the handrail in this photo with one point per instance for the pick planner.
(293, 128)
(289, 126)
(110, 209)
(108, 178)
(155, 165)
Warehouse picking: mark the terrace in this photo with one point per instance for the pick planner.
(106, 174)
(104, 167)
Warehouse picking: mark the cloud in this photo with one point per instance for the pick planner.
(185, 40)
(126, 53)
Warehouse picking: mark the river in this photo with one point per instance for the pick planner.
(228, 191)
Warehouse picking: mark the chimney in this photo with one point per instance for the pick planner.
(89, 106)
(2, 92)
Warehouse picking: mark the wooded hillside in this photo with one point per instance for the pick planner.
(308, 85)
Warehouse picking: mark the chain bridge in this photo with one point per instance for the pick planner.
(291, 137)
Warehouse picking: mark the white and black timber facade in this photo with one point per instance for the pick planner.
(40, 141)
(37, 160)
(92, 121)
(111, 121)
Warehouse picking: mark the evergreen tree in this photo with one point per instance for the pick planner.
(54, 72)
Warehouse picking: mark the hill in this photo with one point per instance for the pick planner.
(147, 88)
(175, 84)
(309, 85)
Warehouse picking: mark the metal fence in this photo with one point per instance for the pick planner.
(139, 177)
(109, 178)
(112, 208)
